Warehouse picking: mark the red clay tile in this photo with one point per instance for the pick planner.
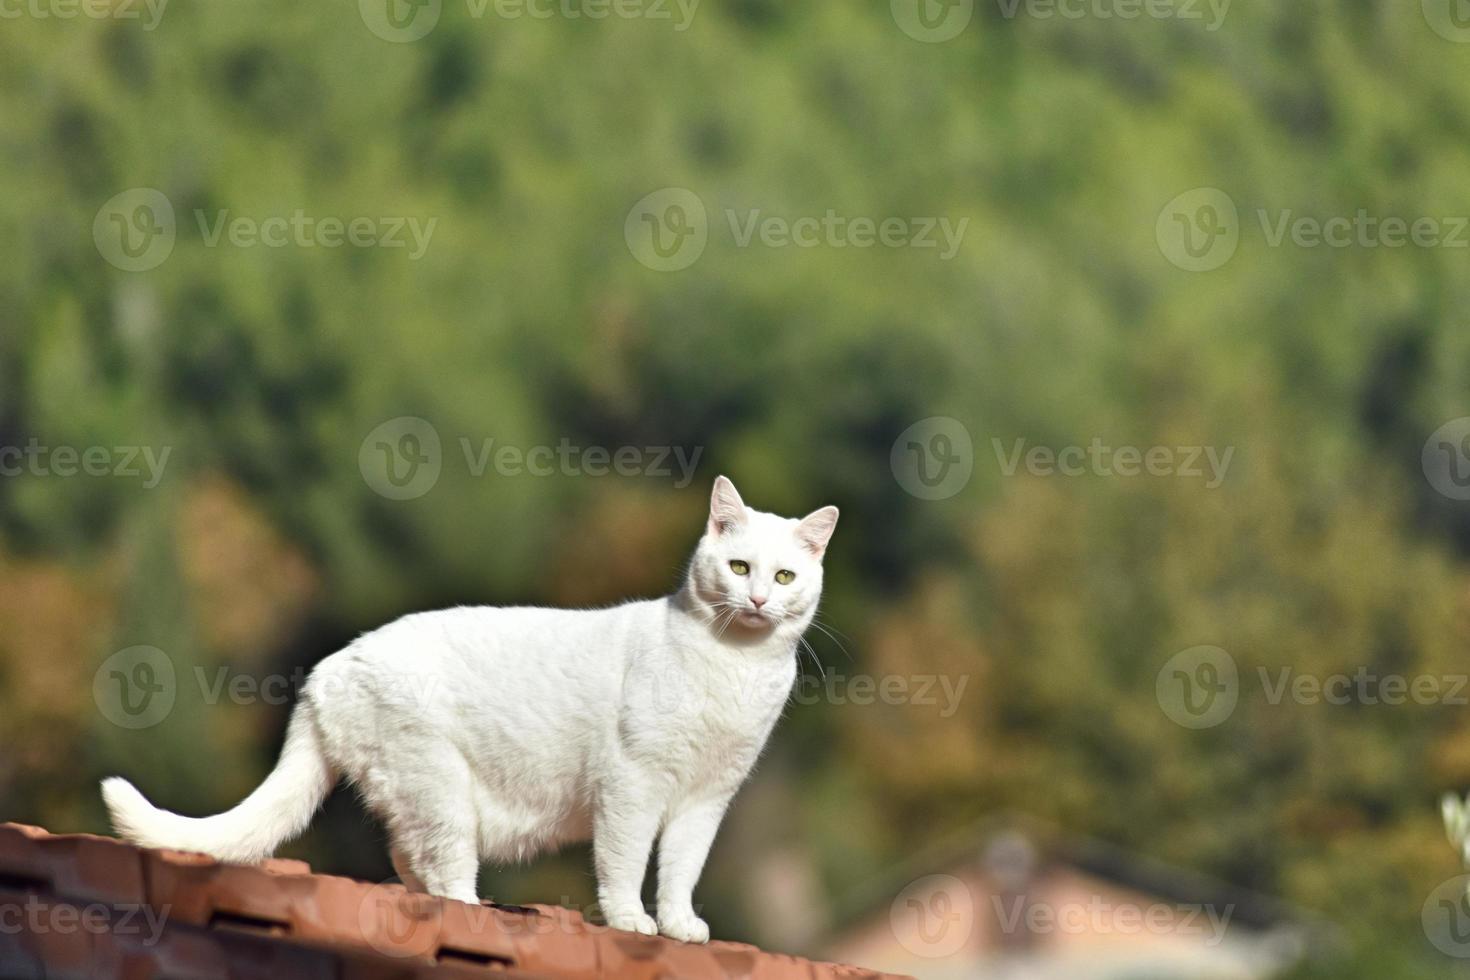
(30, 830)
(46, 953)
(625, 954)
(480, 934)
(81, 866)
(741, 960)
(285, 866)
(202, 955)
(552, 940)
(279, 921)
(841, 971)
(238, 898)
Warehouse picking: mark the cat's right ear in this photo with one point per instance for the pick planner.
(726, 509)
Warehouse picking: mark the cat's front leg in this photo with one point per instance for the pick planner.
(681, 854)
(625, 823)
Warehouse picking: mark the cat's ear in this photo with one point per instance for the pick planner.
(816, 528)
(726, 509)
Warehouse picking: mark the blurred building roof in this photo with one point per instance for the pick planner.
(1013, 898)
(77, 905)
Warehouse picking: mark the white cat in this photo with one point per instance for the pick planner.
(494, 733)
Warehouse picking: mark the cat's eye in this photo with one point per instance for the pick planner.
(785, 576)
(740, 567)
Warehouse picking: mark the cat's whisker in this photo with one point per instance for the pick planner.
(802, 644)
(725, 613)
(818, 619)
(729, 618)
(833, 637)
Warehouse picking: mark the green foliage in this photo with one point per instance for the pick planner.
(529, 321)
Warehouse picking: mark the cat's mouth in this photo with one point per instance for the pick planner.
(754, 617)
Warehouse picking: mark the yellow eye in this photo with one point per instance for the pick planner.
(739, 568)
(785, 577)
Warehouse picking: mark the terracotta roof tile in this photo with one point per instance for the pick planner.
(80, 866)
(278, 920)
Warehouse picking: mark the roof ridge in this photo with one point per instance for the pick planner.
(204, 907)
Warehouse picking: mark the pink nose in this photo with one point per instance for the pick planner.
(757, 601)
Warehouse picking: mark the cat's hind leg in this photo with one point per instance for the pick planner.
(433, 828)
(404, 870)
(439, 857)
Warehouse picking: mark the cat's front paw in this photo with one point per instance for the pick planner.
(684, 926)
(631, 920)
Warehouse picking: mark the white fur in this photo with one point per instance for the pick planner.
(494, 733)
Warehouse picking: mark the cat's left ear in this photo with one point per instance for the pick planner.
(816, 528)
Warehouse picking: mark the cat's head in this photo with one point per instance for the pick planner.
(756, 570)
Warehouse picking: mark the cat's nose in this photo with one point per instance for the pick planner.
(757, 601)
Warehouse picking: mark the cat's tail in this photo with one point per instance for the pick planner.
(279, 809)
